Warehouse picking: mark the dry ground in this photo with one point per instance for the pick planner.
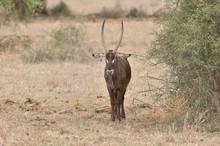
(68, 104)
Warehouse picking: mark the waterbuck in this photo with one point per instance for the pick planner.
(117, 75)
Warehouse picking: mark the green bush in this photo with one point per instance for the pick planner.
(189, 45)
(66, 45)
(23, 9)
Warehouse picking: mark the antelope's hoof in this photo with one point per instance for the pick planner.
(112, 118)
(123, 116)
(119, 118)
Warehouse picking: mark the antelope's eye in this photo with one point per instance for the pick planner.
(106, 60)
(113, 60)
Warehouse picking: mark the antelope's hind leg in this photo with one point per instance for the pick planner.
(122, 108)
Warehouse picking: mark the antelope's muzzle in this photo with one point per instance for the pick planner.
(109, 72)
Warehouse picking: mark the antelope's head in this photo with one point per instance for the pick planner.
(111, 55)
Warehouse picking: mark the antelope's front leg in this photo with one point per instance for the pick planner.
(117, 105)
(113, 108)
(112, 99)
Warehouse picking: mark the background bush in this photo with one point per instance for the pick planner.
(66, 44)
(61, 10)
(135, 12)
(189, 45)
(23, 9)
(14, 43)
(114, 13)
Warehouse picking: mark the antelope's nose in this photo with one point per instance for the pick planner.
(109, 72)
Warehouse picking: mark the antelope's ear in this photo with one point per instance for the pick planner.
(98, 55)
(123, 55)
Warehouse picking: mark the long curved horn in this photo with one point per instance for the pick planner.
(102, 35)
(122, 31)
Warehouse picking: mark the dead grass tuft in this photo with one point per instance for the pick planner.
(171, 108)
(169, 111)
(14, 43)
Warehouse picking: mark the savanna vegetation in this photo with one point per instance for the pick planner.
(188, 45)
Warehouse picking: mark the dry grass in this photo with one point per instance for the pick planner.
(169, 109)
(57, 103)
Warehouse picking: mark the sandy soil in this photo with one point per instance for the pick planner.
(68, 104)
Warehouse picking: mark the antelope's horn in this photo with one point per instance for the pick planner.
(102, 35)
(122, 31)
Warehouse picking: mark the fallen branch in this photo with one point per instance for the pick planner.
(103, 109)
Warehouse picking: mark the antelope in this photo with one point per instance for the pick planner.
(117, 74)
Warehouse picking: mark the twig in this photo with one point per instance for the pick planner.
(103, 109)
(66, 111)
(155, 78)
(147, 105)
(79, 108)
